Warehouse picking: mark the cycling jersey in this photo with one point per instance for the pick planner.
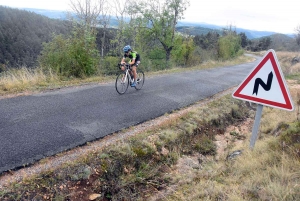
(132, 55)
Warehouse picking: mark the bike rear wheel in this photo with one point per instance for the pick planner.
(122, 83)
(140, 79)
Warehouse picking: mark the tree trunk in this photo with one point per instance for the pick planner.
(102, 45)
(168, 55)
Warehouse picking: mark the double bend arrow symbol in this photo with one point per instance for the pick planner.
(259, 81)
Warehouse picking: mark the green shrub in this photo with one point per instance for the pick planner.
(229, 46)
(75, 55)
(109, 65)
(156, 59)
(183, 51)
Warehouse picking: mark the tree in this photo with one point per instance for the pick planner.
(183, 50)
(298, 35)
(104, 20)
(208, 41)
(87, 11)
(264, 43)
(120, 8)
(160, 20)
(244, 39)
(229, 46)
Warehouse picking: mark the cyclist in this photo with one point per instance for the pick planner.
(134, 61)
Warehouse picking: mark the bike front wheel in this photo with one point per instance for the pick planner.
(140, 79)
(122, 83)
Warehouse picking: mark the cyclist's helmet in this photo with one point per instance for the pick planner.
(127, 48)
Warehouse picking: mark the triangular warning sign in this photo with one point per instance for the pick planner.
(266, 85)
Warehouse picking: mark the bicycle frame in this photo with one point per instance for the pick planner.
(127, 74)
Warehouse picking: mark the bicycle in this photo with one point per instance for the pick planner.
(124, 78)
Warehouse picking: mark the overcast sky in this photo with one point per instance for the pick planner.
(262, 15)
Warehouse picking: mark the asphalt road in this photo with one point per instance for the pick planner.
(35, 126)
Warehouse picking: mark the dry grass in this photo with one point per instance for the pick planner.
(290, 70)
(262, 174)
(268, 172)
(14, 81)
(286, 64)
(19, 80)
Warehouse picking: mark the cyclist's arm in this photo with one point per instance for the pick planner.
(123, 60)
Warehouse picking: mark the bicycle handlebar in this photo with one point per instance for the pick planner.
(126, 65)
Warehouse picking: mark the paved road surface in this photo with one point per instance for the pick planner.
(35, 126)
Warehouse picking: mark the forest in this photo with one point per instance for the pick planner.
(22, 34)
(31, 40)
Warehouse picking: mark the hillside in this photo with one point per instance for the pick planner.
(22, 34)
(197, 29)
(281, 42)
(190, 30)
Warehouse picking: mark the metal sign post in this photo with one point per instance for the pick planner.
(256, 125)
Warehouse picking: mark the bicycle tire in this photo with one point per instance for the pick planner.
(140, 77)
(121, 86)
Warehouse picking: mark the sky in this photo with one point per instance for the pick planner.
(261, 15)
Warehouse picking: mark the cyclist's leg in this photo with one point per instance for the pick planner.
(134, 67)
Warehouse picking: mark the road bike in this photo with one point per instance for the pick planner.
(125, 78)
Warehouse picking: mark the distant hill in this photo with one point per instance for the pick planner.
(251, 34)
(282, 42)
(184, 27)
(54, 14)
(198, 28)
(191, 30)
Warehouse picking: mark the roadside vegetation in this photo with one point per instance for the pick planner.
(24, 80)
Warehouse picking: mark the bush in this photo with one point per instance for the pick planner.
(109, 65)
(74, 55)
(204, 55)
(229, 46)
(156, 60)
(183, 51)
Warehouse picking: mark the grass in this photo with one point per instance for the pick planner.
(145, 166)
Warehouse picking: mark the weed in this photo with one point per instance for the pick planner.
(205, 146)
